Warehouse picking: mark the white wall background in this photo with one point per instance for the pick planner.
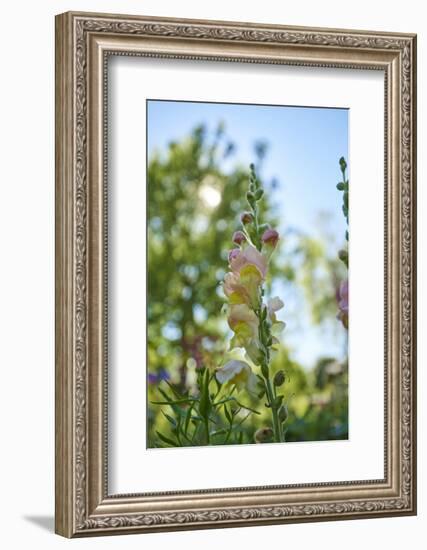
(27, 273)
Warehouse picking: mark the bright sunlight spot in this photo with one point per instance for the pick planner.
(210, 196)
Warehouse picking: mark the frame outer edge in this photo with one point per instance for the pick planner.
(73, 403)
(413, 160)
(64, 274)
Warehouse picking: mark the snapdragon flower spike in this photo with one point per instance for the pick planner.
(342, 295)
(253, 322)
(243, 284)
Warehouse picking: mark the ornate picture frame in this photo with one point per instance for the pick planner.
(84, 42)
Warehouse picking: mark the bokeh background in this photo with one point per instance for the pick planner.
(198, 160)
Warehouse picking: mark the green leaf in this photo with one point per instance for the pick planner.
(224, 400)
(175, 391)
(165, 395)
(188, 401)
(278, 401)
(264, 370)
(188, 417)
(248, 408)
(171, 420)
(245, 407)
(258, 194)
(264, 313)
(228, 414)
(243, 420)
(166, 440)
(205, 402)
(222, 431)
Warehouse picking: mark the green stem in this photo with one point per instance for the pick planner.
(208, 437)
(269, 388)
(264, 337)
(276, 424)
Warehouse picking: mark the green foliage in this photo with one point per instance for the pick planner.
(321, 413)
(208, 417)
(316, 407)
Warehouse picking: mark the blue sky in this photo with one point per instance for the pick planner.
(304, 145)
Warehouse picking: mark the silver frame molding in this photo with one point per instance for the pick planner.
(83, 43)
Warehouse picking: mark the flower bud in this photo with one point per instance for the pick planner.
(250, 197)
(263, 435)
(270, 237)
(343, 164)
(343, 256)
(279, 378)
(246, 218)
(258, 194)
(283, 413)
(239, 237)
(269, 241)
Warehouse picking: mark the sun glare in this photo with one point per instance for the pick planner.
(209, 195)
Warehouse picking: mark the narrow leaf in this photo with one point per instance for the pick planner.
(167, 440)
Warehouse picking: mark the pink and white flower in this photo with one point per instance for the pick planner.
(243, 287)
(250, 255)
(273, 305)
(238, 373)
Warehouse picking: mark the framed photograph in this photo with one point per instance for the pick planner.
(235, 274)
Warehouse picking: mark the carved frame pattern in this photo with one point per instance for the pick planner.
(83, 506)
